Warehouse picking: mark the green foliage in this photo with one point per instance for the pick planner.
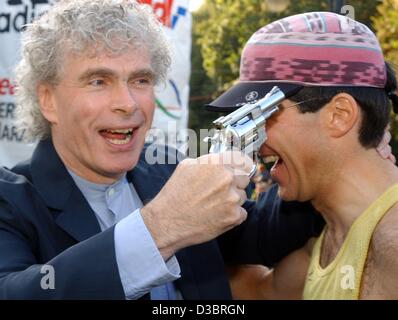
(222, 35)
(386, 25)
(222, 27)
(364, 10)
(202, 88)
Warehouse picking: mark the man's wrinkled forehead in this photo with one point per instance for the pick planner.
(96, 52)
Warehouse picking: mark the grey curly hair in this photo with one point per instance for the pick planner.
(78, 26)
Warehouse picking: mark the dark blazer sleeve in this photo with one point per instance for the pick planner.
(273, 229)
(87, 270)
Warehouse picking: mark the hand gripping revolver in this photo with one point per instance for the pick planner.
(244, 129)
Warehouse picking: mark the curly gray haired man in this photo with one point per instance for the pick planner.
(81, 27)
(89, 218)
(93, 219)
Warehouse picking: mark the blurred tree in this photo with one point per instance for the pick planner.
(364, 10)
(219, 32)
(223, 34)
(202, 87)
(386, 26)
(222, 27)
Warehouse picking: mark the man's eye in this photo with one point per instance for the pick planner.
(97, 82)
(143, 81)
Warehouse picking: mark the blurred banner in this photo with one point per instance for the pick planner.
(14, 14)
(171, 115)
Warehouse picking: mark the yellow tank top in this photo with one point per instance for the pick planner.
(341, 279)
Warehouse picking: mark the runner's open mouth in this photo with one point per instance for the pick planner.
(272, 161)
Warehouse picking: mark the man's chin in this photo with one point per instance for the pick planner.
(284, 194)
(123, 168)
(118, 168)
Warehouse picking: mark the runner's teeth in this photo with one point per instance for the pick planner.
(270, 159)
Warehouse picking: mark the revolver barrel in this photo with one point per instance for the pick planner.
(245, 127)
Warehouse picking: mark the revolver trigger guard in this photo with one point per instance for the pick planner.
(253, 171)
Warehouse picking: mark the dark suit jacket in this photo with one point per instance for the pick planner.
(45, 219)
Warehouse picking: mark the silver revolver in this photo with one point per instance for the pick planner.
(244, 129)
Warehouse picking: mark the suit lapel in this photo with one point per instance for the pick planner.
(77, 218)
(72, 212)
(146, 181)
(187, 283)
(74, 215)
(59, 191)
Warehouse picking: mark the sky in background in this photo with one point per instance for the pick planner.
(195, 4)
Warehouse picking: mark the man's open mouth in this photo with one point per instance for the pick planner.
(118, 136)
(272, 162)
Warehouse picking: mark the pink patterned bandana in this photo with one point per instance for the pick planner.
(310, 49)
